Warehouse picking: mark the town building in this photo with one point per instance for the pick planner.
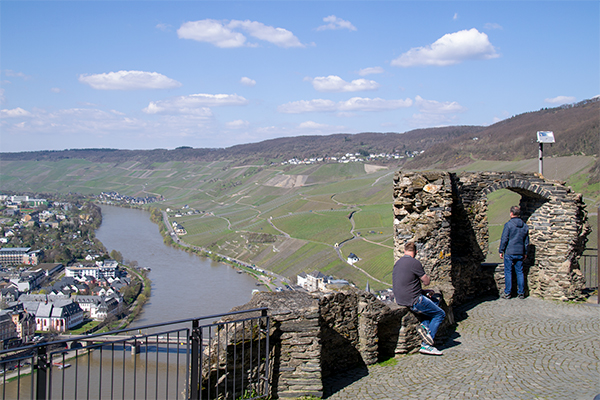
(8, 329)
(25, 325)
(54, 313)
(99, 270)
(99, 308)
(29, 280)
(19, 255)
(316, 281)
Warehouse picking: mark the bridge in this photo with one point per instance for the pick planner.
(135, 341)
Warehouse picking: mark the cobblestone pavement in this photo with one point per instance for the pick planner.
(502, 349)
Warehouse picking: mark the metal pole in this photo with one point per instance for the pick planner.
(598, 254)
(41, 373)
(196, 340)
(541, 155)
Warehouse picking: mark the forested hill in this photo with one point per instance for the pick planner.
(576, 128)
(270, 150)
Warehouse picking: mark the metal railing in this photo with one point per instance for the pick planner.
(185, 359)
(588, 264)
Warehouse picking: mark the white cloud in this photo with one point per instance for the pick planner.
(163, 27)
(455, 16)
(129, 80)
(436, 107)
(247, 81)
(377, 104)
(2, 98)
(55, 90)
(14, 113)
(353, 104)
(560, 100)
(222, 33)
(278, 36)
(305, 106)
(90, 127)
(194, 104)
(370, 70)
(334, 23)
(450, 49)
(333, 83)
(311, 125)
(435, 113)
(492, 25)
(211, 31)
(11, 73)
(237, 124)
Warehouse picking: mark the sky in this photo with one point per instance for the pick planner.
(204, 74)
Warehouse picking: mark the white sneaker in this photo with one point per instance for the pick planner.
(430, 350)
(424, 333)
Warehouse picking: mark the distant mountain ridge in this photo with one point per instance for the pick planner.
(576, 128)
(281, 148)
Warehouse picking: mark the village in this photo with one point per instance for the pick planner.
(42, 295)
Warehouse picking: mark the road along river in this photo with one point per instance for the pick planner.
(183, 285)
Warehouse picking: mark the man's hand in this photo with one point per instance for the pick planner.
(502, 256)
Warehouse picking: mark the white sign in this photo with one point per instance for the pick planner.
(545, 137)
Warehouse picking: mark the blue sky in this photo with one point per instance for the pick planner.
(164, 74)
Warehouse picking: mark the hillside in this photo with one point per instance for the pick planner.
(270, 150)
(287, 218)
(576, 129)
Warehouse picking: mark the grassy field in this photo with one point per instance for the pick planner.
(314, 216)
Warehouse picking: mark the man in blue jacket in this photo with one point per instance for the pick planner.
(513, 249)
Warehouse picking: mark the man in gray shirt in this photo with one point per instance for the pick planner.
(407, 277)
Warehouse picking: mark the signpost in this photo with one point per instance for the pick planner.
(544, 137)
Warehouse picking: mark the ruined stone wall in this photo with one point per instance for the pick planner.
(446, 215)
(315, 335)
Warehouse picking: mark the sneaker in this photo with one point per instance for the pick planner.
(430, 350)
(505, 296)
(424, 333)
(521, 296)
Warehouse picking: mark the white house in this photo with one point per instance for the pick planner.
(352, 258)
(59, 315)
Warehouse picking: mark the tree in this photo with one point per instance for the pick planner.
(116, 255)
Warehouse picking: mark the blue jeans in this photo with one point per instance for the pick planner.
(513, 261)
(435, 315)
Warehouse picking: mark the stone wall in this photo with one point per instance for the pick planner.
(315, 335)
(445, 214)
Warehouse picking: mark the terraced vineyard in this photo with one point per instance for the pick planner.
(303, 211)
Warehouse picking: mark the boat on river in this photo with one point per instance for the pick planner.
(60, 365)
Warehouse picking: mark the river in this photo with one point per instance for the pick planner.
(183, 285)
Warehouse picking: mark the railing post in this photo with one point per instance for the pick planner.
(41, 373)
(267, 351)
(196, 340)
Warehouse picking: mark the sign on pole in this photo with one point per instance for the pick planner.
(543, 137)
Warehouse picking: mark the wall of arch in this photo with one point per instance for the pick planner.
(446, 215)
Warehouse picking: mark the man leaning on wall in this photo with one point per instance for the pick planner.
(407, 277)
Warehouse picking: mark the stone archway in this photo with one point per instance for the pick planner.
(446, 215)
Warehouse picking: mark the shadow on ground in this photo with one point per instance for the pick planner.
(337, 382)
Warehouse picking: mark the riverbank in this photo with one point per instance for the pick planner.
(268, 279)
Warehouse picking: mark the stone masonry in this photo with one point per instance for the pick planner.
(445, 214)
(316, 335)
